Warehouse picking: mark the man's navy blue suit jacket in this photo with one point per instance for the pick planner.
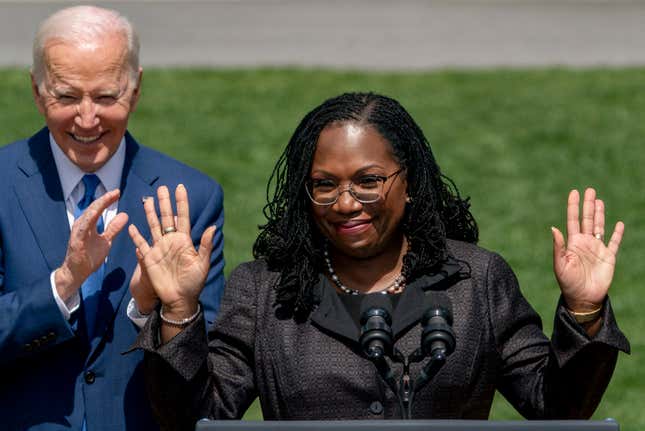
(50, 373)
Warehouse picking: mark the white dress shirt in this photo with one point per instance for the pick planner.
(71, 177)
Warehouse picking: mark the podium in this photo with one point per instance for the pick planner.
(408, 425)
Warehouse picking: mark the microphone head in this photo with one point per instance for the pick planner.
(376, 333)
(373, 302)
(437, 337)
(437, 304)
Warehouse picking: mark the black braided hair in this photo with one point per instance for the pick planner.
(290, 241)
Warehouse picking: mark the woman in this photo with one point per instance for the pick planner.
(360, 207)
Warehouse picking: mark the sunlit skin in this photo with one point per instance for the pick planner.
(366, 240)
(87, 97)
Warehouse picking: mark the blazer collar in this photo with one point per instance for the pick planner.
(142, 167)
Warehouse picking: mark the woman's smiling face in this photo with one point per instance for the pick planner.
(350, 153)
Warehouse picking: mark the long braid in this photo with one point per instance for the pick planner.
(290, 242)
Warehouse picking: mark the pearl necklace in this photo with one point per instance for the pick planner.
(395, 287)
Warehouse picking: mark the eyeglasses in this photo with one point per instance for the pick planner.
(366, 190)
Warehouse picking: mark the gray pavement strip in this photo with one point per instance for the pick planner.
(390, 35)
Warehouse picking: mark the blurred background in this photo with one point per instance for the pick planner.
(521, 101)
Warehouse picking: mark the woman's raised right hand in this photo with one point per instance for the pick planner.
(171, 266)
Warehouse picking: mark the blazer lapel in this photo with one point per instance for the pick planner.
(41, 200)
(414, 298)
(331, 315)
(137, 181)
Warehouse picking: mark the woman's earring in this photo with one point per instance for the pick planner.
(408, 199)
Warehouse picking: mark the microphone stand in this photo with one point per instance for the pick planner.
(406, 389)
(385, 371)
(437, 341)
(429, 370)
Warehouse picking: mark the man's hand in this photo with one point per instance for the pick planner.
(87, 249)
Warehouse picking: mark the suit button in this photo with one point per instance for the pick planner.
(51, 336)
(376, 408)
(35, 343)
(89, 377)
(28, 347)
(44, 339)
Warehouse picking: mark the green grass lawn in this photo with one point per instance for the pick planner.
(515, 141)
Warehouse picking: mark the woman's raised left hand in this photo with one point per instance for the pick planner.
(584, 266)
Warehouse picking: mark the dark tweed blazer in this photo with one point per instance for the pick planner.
(313, 369)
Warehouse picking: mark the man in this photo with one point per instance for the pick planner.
(66, 193)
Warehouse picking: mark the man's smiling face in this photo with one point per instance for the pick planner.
(87, 96)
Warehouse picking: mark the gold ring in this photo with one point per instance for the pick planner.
(598, 236)
(170, 229)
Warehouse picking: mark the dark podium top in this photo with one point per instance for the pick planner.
(409, 425)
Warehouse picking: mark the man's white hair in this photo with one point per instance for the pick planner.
(80, 25)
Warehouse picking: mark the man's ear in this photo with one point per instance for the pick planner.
(38, 97)
(137, 90)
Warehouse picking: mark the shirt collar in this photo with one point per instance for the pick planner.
(70, 174)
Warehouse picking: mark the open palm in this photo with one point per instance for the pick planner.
(171, 266)
(584, 267)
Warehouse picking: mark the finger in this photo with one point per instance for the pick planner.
(144, 270)
(101, 203)
(206, 243)
(588, 211)
(616, 237)
(152, 219)
(139, 255)
(139, 241)
(136, 275)
(91, 215)
(573, 204)
(599, 219)
(140, 264)
(165, 208)
(559, 247)
(183, 210)
(116, 225)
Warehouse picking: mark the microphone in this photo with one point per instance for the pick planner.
(437, 338)
(437, 341)
(376, 332)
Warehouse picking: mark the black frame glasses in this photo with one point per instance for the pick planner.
(368, 196)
